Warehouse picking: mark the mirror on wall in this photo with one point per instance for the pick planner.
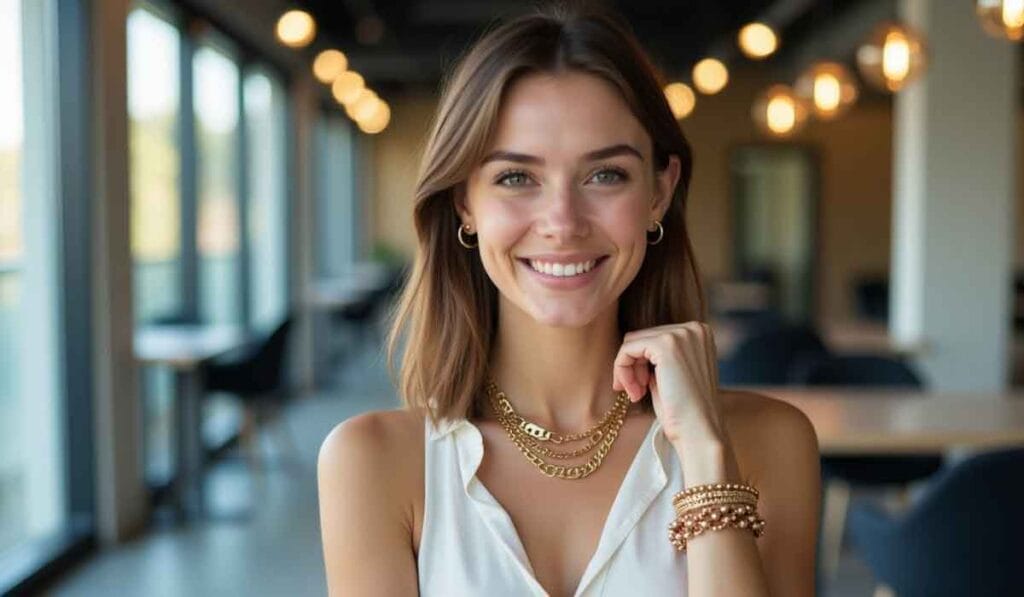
(775, 224)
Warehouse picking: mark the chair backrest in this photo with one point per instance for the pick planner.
(267, 361)
(963, 537)
(871, 298)
(767, 355)
(857, 370)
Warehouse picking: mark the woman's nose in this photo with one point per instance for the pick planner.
(564, 217)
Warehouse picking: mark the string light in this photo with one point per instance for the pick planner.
(710, 76)
(296, 29)
(328, 65)
(681, 99)
(779, 112)
(828, 87)
(892, 57)
(1002, 18)
(758, 41)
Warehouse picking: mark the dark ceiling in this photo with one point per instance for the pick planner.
(418, 38)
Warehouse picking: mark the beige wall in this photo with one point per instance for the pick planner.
(855, 158)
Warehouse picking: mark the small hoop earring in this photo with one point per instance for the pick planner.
(661, 233)
(462, 241)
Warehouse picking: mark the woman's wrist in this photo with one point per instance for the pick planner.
(708, 462)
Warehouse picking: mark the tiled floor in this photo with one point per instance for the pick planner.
(275, 548)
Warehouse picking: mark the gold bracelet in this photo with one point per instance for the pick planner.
(714, 507)
(682, 509)
(684, 529)
(725, 496)
(715, 487)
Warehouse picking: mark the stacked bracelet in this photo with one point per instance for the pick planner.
(712, 508)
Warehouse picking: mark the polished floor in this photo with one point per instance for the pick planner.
(264, 537)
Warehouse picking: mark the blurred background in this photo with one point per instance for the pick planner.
(205, 214)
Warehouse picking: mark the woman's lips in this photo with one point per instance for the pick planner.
(565, 282)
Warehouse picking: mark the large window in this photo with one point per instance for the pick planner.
(32, 492)
(265, 117)
(337, 217)
(216, 103)
(153, 105)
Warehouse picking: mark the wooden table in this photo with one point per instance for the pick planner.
(855, 337)
(351, 286)
(850, 421)
(184, 348)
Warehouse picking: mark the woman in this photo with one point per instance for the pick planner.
(554, 304)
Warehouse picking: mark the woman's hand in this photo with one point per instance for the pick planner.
(683, 382)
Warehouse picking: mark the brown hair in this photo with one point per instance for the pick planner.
(448, 308)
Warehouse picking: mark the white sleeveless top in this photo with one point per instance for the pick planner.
(469, 545)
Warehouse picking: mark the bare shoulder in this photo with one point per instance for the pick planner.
(378, 447)
(381, 432)
(369, 473)
(760, 424)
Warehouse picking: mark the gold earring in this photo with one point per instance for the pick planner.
(462, 241)
(656, 228)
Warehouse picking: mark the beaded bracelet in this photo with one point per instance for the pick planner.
(714, 507)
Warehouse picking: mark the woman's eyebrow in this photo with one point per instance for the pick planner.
(597, 154)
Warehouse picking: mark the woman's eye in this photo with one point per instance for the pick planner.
(609, 176)
(512, 179)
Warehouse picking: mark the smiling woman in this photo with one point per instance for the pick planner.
(562, 403)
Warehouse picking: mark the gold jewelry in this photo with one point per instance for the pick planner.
(713, 507)
(527, 436)
(462, 241)
(656, 227)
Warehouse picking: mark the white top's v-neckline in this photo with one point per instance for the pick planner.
(653, 469)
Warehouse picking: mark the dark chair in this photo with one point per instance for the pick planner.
(256, 377)
(842, 472)
(768, 353)
(962, 537)
(871, 298)
(360, 315)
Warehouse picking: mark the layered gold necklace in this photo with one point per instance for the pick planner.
(531, 439)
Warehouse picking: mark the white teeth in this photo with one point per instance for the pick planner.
(562, 270)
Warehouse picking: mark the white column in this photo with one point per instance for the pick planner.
(954, 180)
(122, 501)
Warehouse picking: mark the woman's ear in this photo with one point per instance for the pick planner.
(666, 180)
(462, 205)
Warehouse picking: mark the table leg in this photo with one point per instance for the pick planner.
(189, 484)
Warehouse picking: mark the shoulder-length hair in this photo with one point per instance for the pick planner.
(447, 313)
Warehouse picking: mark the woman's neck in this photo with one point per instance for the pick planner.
(557, 377)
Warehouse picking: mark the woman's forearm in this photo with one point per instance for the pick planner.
(726, 562)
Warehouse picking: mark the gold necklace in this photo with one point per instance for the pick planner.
(527, 436)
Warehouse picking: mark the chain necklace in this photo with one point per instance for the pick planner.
(528, 436)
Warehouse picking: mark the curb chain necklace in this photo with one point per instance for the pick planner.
(530, 437)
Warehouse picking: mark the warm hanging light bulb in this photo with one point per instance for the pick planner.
(363, 107)
(378, 122)
(328, 65)
(758, 41)
(681, 99)
(892, 57)
(296, 29)
(710, 76)
(828, 87)
(779, 111)
(1002, 18)
(347, 86)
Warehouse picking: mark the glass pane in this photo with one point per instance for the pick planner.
(153, 100)
(265, 112)
(216, 106)
(337, 223)
(155, 162)
(32, 504)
